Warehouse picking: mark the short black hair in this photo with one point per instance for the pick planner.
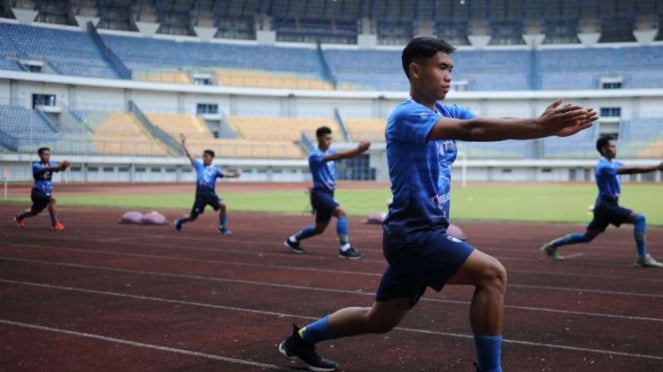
(322, 131)
(423, 47)
(42, 149)
(209, 152)
(602, 142)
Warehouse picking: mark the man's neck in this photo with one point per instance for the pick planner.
(422, 100)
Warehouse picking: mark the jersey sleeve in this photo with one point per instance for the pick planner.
(36, 167)
(219, 172)
(460, 112)
(412, 125)
(606, 169)
(198, 165)
(316, 157)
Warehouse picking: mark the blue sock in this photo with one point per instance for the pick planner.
(317, 331)
(306, 232)
(54, 219)
(20, 215)
(342, 230)
(573, 238)
(640, 234)
(223, 220)
(489, 353)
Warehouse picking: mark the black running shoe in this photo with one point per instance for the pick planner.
(293, 245)
(298, 350)
(350, 254)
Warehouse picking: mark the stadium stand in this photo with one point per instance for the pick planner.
(365, 129)
(278, 128)
(68, 52)
(265, 79)
(22, 129)
(122, 134)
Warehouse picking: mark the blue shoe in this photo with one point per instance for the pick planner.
(178, 225)
(224, 231)
(350, 254)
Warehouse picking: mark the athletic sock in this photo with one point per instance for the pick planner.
(317, 331)
(640, 235)
(20, 215)
(223, 220)
(306, 232)
(54, 219)
(489, 353)
(342, 231)
(573, 238)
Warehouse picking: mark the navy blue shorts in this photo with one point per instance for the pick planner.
(606, 214)
(39, 199)
(204, 199)
(323, 204)
(418, 261)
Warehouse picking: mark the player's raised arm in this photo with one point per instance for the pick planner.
(556, 120)
(636, 170)
(361, 148)
(186, 151)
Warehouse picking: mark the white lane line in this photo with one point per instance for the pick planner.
(332, 290)
(578, 254)
(144, 345)
(297, 316)
(286, 267)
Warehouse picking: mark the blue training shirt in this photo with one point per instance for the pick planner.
(419, 169)
(324, 173)
(43, 181)
(206, 176)
(607, 180)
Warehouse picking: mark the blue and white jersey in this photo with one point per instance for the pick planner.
(419, 169)
(43, 181)
(206, 176)
(607, 180)
(324, 173)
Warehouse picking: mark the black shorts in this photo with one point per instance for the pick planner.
(606, 214)
(418, 261)
(204, 199)
(323, 204)
(39, 199)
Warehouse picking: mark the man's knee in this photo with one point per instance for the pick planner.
(494, 275)
(338, 212)
(320, 228)
(52, 201)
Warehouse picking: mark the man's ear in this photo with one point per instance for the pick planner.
(414, 70)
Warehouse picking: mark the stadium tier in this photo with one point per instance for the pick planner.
(365, 129)
(77, 53)
(278, 128)
(20, 127)
(123, 134)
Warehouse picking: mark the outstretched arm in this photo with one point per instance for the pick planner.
(186, 151)
(557, 120)
(58, 168)
(232, 174)
(635, 170)
(362, 147)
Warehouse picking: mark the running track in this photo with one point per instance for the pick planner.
(106, 297)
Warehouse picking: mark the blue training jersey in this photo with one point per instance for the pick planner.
(419, 169)
(324, 173)
(206, 176)
(607, 180)
(43, 181)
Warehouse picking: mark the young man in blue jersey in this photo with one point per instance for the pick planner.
(322, 167)
(420, 136)
(206, 175)
(607, 210)
(42, 189)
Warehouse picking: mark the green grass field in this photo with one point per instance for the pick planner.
(536, 203)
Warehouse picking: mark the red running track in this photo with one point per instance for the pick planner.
(102, 296)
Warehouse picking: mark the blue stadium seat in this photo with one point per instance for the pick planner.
(21, 128)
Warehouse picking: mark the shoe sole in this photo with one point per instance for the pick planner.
(295, 359)
(297, 251)
(558, 258)
(350, 258)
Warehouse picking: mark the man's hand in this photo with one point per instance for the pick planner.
(182, 139)
(660, 166)
(363, 146)
(566, 120)
(65, 164)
